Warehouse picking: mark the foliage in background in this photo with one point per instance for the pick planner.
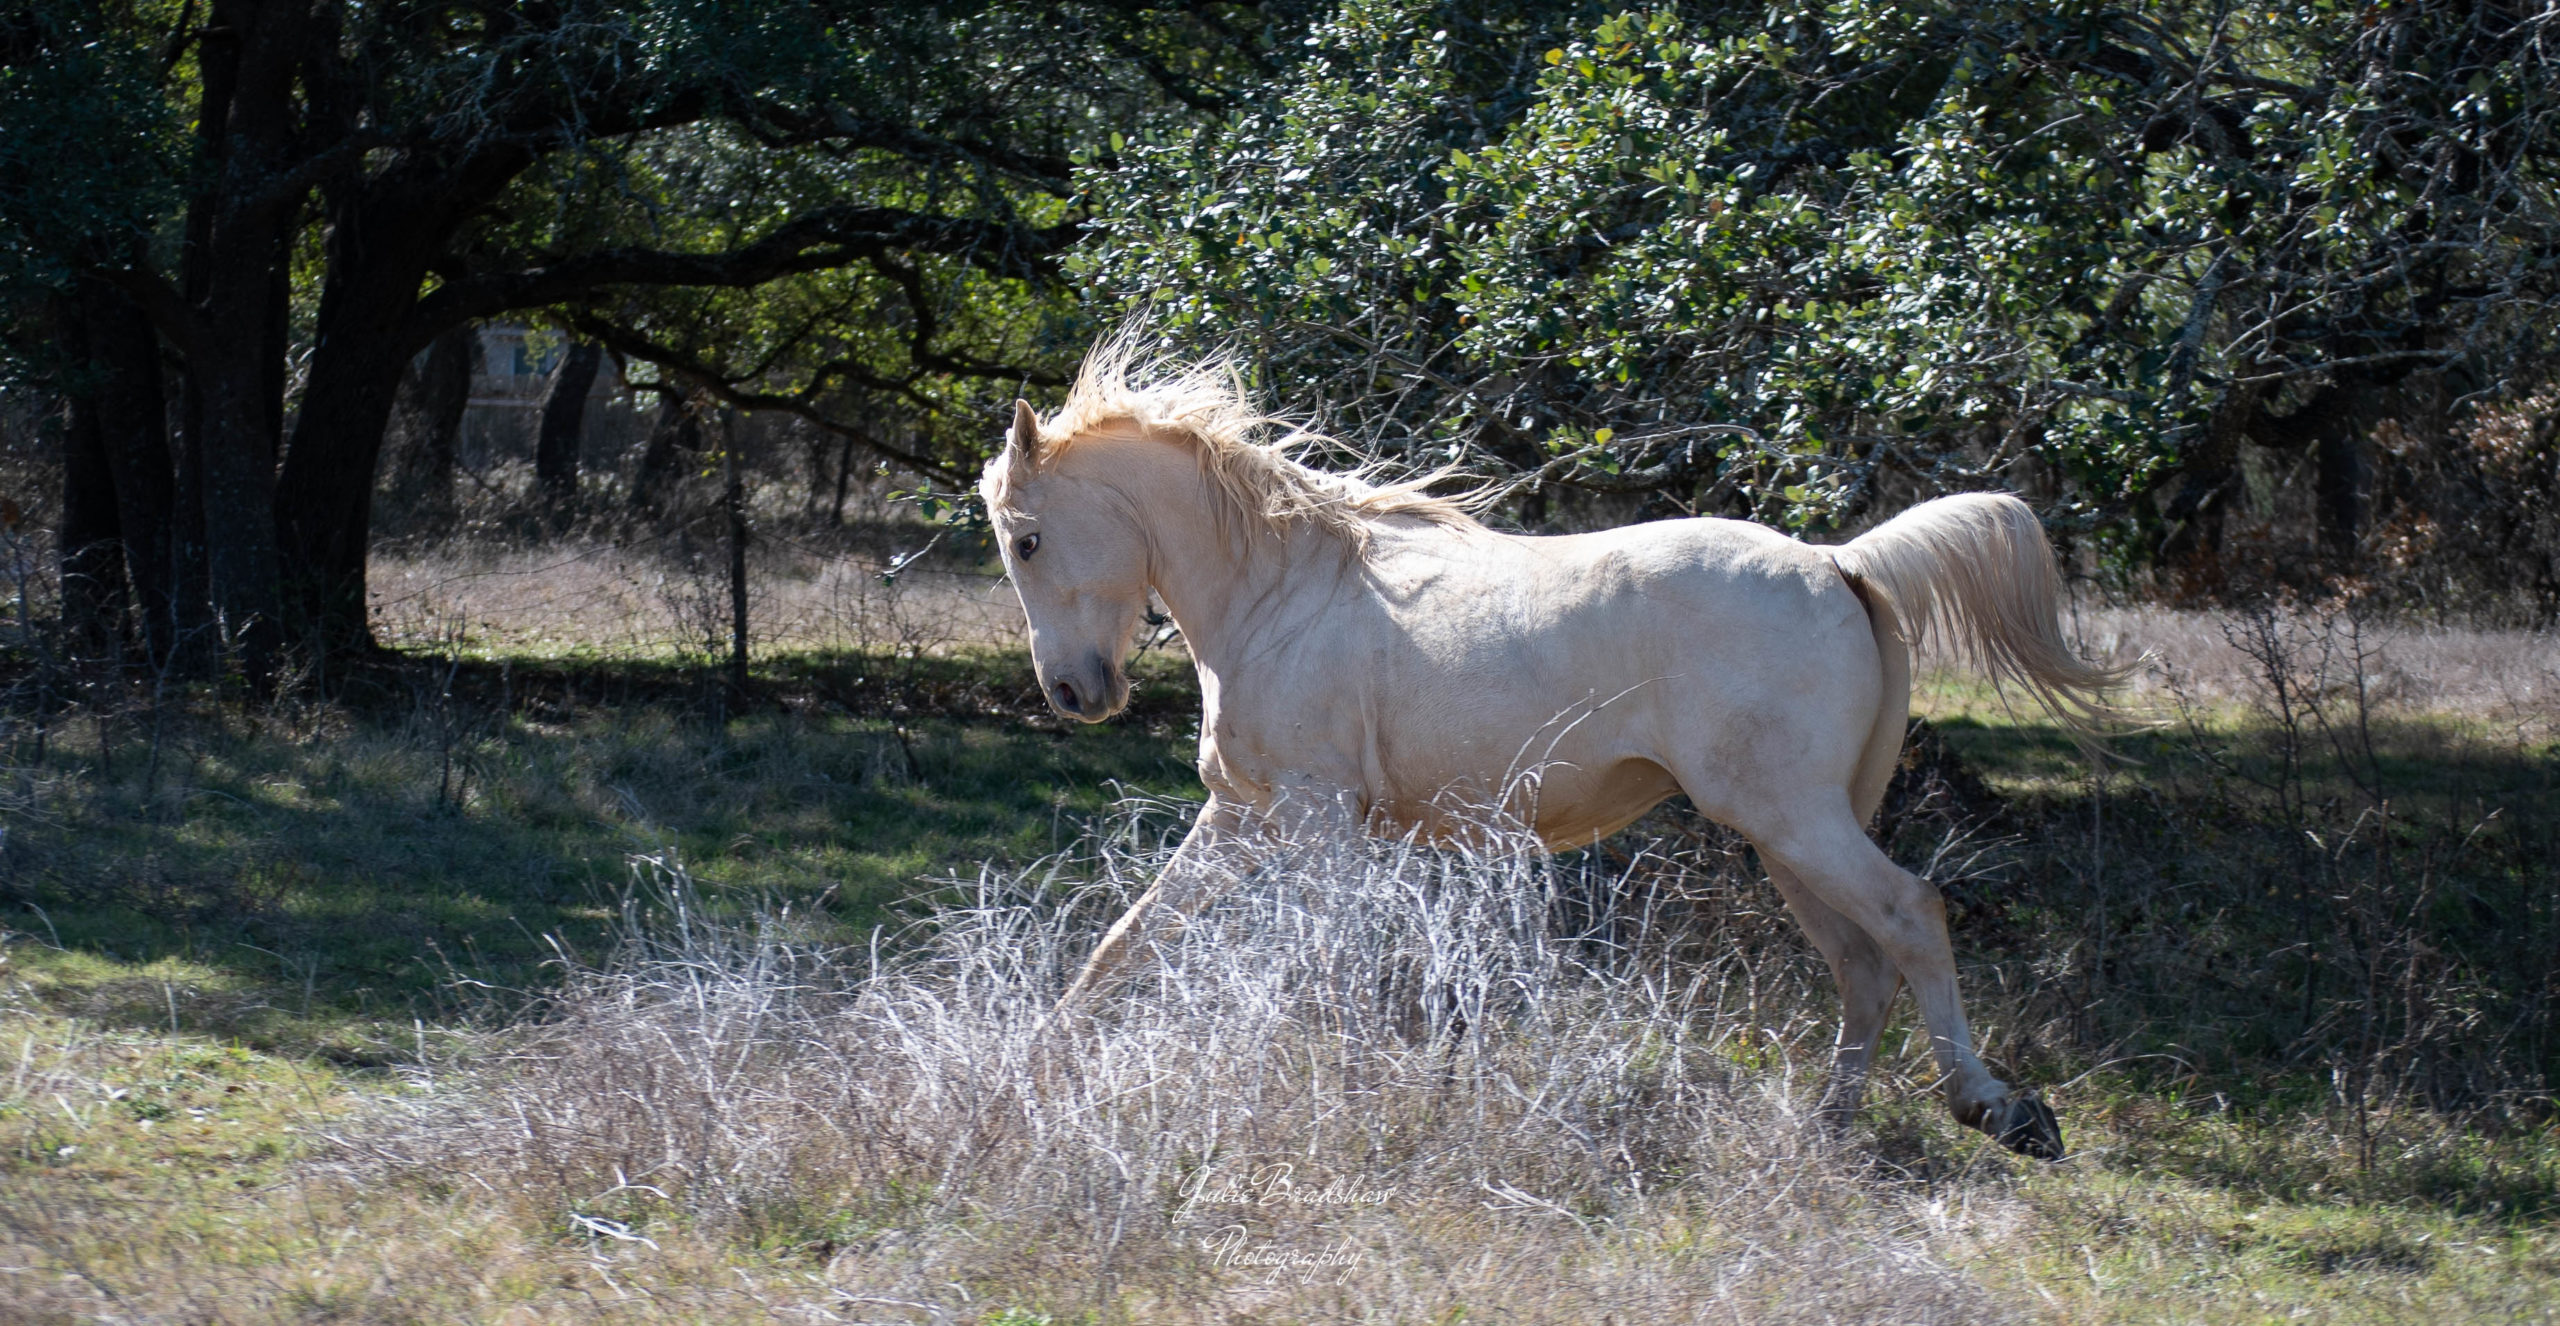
(240, 226)
(2115, 256)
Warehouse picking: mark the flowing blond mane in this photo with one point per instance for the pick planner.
(1128, 384)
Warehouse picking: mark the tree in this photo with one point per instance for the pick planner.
(1729, 258)
(407, 168)
(433, 396)
(563, 428)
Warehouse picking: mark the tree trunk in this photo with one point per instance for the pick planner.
(734, 498)
(325, 498)
(129, 408)
(2330, 426)
(2338, 484)
(677, 433)
(190, 574)
(383, 231)
(239, 493)
(2209, 474)
(93, 581)
(434, 394)
(237, 232)
(564, 413)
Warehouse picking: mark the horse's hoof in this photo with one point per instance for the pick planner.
(2029, 1127)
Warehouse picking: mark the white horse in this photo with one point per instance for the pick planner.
(1370, 654)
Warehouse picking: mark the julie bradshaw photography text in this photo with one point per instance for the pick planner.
(1228, 1250)
(1276, 1184)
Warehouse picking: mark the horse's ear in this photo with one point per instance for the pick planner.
(1024, 440)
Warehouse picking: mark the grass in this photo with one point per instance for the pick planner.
(340, 1014)
(319, 879)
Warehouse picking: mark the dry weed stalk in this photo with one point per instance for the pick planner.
(1375, 1082)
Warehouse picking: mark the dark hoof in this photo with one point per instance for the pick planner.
(2029, 1127)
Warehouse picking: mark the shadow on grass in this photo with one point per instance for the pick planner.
(315, 880)
(2308, 964)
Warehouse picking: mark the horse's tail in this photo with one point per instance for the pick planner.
(1973, 576)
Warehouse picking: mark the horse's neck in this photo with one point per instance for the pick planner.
(1228, 579)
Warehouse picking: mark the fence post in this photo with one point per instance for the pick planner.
(734, 499)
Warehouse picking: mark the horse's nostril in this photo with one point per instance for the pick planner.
(1067, 697)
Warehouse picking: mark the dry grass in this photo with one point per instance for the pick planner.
(1503, 1104)
(2509, 679)
(659, 597)
(1375, 1087)
(1484, 1119)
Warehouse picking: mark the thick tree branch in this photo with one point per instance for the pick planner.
(167, 309)
(631, 344)
(834, 237)
(792, 126)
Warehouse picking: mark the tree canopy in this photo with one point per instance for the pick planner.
(1765, 260)
(1793, 261)
(303, 182)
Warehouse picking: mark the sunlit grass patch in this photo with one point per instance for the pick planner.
(2141, 1231)
(338, 869)
(362, 901)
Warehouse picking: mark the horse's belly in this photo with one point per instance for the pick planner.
(1574, 808)
(1564, 805)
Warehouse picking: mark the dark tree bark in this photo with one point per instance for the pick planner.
(434, 393)
(2338, 484)
(564, 415)
(237, 229)
(384, 231)
(2330, 428)
(676, 434)
(189, 562)
(93, 581)
(129, 408)
(325, 506)
(2209, 475)
(733, 499)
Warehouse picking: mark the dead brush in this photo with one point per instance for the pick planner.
(1377, 1080)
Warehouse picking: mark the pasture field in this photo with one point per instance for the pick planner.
(531, 985)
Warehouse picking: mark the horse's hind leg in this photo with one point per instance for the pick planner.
(1867, 980)
(1831, 855)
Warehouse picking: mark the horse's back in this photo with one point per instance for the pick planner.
(1697, 591)
(1684, 645)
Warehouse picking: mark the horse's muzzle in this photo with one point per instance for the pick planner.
(1094, 693)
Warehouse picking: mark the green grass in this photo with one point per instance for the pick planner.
(315, 879)
(226, 951)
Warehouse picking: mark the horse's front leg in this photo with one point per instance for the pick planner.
(1202, 868)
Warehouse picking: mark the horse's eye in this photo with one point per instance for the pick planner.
(1026, 545)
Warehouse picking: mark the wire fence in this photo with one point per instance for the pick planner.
(666, 595)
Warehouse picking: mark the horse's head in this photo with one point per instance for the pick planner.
(1078, 557)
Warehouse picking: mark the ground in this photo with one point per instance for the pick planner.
(242, 944)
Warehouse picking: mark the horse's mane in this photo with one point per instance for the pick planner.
(1128, 383)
